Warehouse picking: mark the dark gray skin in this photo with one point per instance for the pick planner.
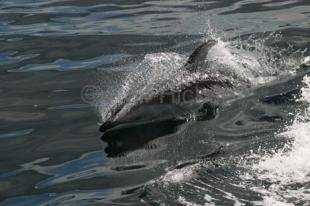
(166, 106)
(197, 59)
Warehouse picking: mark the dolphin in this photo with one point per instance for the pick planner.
(163, 106)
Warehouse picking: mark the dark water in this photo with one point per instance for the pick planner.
(51, 150)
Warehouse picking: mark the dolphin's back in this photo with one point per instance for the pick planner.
(198, 58)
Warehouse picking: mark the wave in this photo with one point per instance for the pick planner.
(287, 169)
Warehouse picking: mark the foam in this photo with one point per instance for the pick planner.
(290, 165)
(180, 175)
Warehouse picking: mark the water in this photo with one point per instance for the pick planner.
(255, 152)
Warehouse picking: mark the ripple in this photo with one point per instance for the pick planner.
(69, 65)
(79, 197)
(10, 57)
(15, 116)
(69, 106)
(17, 133)
(88, 166)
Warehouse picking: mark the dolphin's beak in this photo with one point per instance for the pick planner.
(106, 126)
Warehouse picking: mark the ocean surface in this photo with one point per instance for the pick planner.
(65, 64)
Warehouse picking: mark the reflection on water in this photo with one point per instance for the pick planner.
(51, 152)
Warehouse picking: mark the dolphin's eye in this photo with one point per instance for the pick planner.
(207, 112)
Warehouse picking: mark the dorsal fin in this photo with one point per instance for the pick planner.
(198, 57)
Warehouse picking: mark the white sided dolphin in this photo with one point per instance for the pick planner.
(167, 105)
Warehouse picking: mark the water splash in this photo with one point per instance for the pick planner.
(287, 169)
